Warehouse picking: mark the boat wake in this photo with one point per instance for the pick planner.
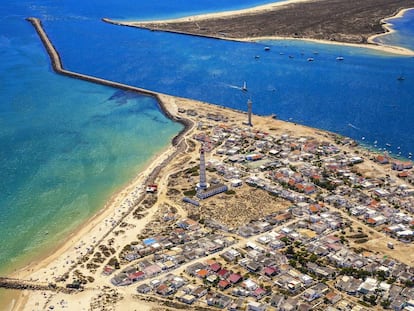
(353, 126)
(241, 88)
(234, 87)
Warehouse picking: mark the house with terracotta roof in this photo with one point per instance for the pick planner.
(382, 159)
(309, 189)
(223, 284)
(270, 271)
(108, 270)
(164, 290)
(136, 276)
(234, 278)
(202, 273)
(376, 220)
(259, 293)
(314, 208)
(215, 267)
(333, 297)
(403, 174)
(223, 273)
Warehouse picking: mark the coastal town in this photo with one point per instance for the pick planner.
(242, 212)
(263, 216)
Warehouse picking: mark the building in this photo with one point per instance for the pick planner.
(220, 188)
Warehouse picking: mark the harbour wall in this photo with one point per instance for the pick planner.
(58, 68)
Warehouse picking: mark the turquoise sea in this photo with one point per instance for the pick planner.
(66, 146)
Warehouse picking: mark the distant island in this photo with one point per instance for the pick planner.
(353, 21)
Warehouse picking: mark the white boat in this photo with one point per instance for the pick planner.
(244, 87)
(267, 48)
(310, 59)
(339, 58)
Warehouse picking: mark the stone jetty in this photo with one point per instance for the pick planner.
(58, 68)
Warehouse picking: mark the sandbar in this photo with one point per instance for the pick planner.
(353, 23)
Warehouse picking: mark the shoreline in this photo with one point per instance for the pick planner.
(371, 44)
(389, 49)
(147, 175)
(147, 168)
(206, 16)
(388, 26)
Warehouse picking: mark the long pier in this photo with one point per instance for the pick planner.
(58, 68)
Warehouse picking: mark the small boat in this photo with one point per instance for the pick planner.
(339, 58)
(291, 56)
(401, 78)
(256, 56)
(310, 59)
(388, 145)
(244, 87)
(266, 48)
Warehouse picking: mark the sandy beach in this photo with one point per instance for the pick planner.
(229, 26)
(387, 49)
(231, 13)
(388, 26)
(117, 224)
(85, 239)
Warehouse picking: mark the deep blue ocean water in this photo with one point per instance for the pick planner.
(67, 145)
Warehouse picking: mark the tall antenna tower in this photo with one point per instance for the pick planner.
(249, 112)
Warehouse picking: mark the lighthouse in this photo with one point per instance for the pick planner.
(202, 185)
